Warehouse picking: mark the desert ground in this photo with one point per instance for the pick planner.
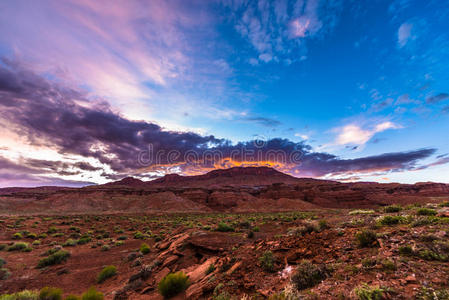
(390, 252)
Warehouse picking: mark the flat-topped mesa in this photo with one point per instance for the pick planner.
(236, 176)
(127, 181)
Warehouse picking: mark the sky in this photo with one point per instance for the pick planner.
(94, 91)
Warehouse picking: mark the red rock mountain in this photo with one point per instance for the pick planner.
(235, 190)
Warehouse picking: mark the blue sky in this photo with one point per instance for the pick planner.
(354, 79)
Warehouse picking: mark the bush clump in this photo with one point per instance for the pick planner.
(366, 238)
(18, 247)
(267, 261)
(17, 236)
(393, 208)
(366, 292)
(223, 227)
(144, 248)
(106, 273)
(54, 259)
(92, 294)
(173, 284)
(405, 250)
(391, 220)
(50, 293)
(23, 295)
(426, 212)
(308, 275)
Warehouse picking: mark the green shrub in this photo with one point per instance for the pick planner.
(223, 227)
(105, 248)
(84, 240)
(72, 297)
(122, 238)
(23, 295)
(210, 269)
(106, 273)
(366, 238)
(4, 273)
(173, 284)
(366, 292)
(31, 235)
(17, 236)
(36, 243)
(144, 248)
(431, 255)
(388, 265)
(92, 294)
(444, 204)
(391, 220)
(42, 235)
(426, 212)
(256, 229)
(361, 212)
(52, 229)
(405, 250)
(432, 294)
(2, 262)
(139, 235)
(50, 293)
(18, 247)
(267, 261)
(69, 243)
(55, 258)
(393, 208)
(322, 224)
(308, 275)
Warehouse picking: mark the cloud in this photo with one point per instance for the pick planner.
(405, 99)
(51, 115)
(267, 122)
(437, 98)
(354, 134)
(277, 30)
(404, 34)
(445, 110)
(329, 165)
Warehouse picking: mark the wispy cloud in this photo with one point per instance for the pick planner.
(356, 135)
(277, 30)
(437, 98)
(404, 34)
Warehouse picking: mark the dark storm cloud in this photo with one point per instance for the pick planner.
(49, 114)
(437, 98)
(12, 173)
(319, 164)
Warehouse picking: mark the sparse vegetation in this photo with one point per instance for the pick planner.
(55, 258)
(92, 294)
(366, 292)
(144, 248)
(366, 238)
(173, 284)
(391, 220)
(393, 208)
(107, 272)
(426, 212)
(223, 227)
(50, 293)
(308, 275)
(210, 269)
(267, 261)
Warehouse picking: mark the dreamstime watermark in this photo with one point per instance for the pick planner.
(259, 151)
